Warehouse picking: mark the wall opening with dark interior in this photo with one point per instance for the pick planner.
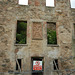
(18, 64)
(37, 65)
(21, 34)
(55, 64)
(51, 33)
(74, 29)
(74, 40)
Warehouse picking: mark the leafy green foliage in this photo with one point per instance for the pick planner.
(51, 37)
(21, 32)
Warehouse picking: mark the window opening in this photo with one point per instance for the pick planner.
(23, 2)
(74, 29)
(51, 33)
(72, 3)
(50, 3)
(21, 34)
(55, 64)
(18, 64)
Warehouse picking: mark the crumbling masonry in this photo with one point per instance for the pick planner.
(37, 14)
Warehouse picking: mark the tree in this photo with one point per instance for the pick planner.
(21, 32)
(51, 37)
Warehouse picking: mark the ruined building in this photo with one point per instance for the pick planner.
(36, 39)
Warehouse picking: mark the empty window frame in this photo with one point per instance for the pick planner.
(51, 33)
(18, 64)
(37, 65)
(50, 3)
(72, 3)
(55, 64)
(21, 34)
(23, 2)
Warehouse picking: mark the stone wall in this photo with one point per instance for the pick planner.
(35, 12)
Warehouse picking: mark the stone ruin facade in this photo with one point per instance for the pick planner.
(37, 14)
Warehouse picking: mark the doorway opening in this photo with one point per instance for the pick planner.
(37, 65)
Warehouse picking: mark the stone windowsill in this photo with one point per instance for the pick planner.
(21, 44)
(23, 5)
(50, 6)
(52, 45)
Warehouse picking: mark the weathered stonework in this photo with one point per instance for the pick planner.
(36, 12)
(37, 32)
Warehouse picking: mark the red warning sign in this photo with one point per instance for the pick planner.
(37, 65)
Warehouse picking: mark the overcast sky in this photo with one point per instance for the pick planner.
(72, 3)
(48, 3)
